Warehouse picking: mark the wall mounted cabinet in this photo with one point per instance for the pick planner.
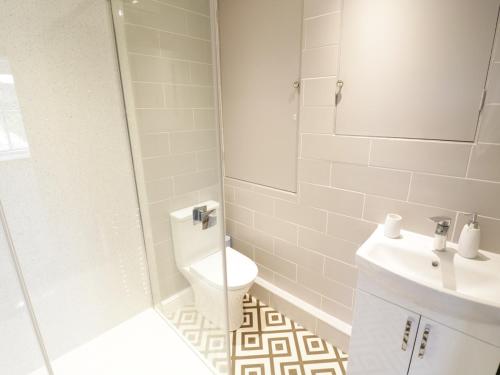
(414, 68)
(260, 48)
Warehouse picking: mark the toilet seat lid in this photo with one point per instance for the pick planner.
(241, 270)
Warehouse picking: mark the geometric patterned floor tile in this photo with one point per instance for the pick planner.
(208, 339)
(267, 343)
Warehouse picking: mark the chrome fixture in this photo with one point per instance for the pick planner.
(406, 335)
(441, 233)
(338, 94)
(423, 343)
(473, 222)
(206, 217)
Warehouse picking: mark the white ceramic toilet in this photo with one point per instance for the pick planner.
(198, 255)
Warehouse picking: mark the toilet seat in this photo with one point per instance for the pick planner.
(241, 270)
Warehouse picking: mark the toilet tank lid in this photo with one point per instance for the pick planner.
(187, 213)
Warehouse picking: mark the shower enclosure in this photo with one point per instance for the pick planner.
(167, 61)
(108, 125)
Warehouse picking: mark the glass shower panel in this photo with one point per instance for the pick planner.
(20, 353)
(165, 53)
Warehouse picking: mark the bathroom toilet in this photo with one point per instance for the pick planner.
(198, 256)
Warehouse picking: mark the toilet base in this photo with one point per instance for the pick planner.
(209, 301)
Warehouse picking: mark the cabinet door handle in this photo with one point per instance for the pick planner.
(338, 94)
(406, 335)
(423, 343)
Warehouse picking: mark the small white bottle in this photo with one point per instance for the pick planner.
(468, 243)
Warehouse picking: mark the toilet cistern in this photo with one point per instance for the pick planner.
(441, 233)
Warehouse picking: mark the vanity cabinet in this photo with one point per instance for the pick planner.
(390, 340)
(448, 351)
(377, 337)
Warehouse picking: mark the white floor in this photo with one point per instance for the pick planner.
(143, 345)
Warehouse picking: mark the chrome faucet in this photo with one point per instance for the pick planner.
(441, 233)
(206, 217)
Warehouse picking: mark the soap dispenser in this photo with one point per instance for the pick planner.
(468, 243)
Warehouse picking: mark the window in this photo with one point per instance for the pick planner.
(13, 141)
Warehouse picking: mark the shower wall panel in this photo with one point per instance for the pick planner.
(19, 350)
(66, 174)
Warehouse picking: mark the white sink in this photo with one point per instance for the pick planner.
(460, 287)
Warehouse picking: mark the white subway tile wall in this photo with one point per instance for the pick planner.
(348, 184)
(169, 56)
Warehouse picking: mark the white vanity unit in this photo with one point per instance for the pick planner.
(423, 312)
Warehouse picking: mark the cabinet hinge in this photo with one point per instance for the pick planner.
(483, 100)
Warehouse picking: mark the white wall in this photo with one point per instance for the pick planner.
(71, 202)
(305, 243)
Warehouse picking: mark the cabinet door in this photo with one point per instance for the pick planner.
(440, 350)
(260, 49)
(414, 68)
(382, 338)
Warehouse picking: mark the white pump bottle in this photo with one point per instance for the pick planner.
(468, 243)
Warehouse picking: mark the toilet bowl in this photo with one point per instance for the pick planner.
(198, 256)
(208, 285)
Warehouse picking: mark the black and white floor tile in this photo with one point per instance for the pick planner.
(268, 343)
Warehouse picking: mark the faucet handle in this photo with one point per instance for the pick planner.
(441, 220)
(442, 224)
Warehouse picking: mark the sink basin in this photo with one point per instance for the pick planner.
(439, 281)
